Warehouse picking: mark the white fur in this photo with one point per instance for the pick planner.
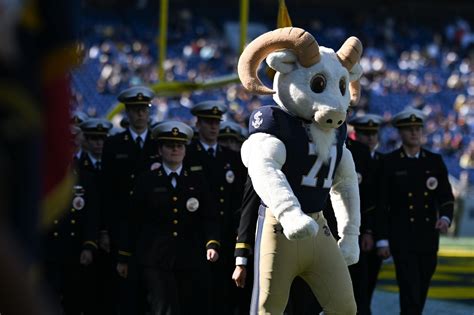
(346, 204)
(264, 155)
(283, 61)
(324, 140)
(293, 88)
(356, 72)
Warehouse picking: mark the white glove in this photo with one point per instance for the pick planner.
(297, 225)
(349, 245)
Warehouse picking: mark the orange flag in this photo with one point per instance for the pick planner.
(284, 19)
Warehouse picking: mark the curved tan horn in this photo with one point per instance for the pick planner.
(350, 52)
(354, 90)
(302, 42)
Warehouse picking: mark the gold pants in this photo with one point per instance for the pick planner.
(317, 260)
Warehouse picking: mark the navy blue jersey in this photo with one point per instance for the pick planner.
(309, 178)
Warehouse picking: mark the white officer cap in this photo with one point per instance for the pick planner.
(173, 131)
(409, 117)
(96, 126)
(209, 109)
(367, 122)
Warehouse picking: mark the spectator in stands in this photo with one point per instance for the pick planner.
(467, 158)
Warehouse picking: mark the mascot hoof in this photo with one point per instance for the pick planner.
(299, 226)
(349, 246)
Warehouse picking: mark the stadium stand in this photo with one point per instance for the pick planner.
(427, 67)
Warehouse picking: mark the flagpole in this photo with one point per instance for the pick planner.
(162, 39)
(244, 20)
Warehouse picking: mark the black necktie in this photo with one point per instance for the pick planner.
(210, 151)
(139, 141)
(174, 175)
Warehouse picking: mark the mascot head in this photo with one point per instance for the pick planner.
(311, 81)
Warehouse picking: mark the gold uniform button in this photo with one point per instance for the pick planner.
(55, 234)
(412, 219)
(73, 210)
(222, 188)
(222, 212)
(175, 210)
(73, 221)
(426, 206)
(175, 221)
(427, 219)
(411, 207)
(221, 200)
(131, 192)
(410, 194)
(55, 221)
(175, 234)
(132, 176)
(72, 233)
(175, 198)
(426, 193)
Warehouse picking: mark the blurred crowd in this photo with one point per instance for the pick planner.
(426, 67)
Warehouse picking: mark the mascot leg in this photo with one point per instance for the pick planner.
(275, 266)
(328, 275)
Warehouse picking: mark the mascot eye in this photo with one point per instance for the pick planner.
(318, 83)
(342, 86)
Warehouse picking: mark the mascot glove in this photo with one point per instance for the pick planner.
(349, 245)
(297, 225)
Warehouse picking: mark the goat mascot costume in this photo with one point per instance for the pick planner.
(296, 157)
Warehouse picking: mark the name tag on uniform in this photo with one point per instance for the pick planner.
(401, 173)
(195, 168)
(121, 156)
(160, 189)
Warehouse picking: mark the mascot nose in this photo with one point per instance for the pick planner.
(329, 118)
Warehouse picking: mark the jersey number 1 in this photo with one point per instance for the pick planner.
(311, 179)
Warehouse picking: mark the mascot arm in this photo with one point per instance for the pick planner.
(346, 203)
(264, 155)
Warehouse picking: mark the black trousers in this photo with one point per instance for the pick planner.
(244, 295)
(414, 272)
(375, 263)
(131, 297)
(107, 283)
(359, 276)
(224, 296)
(176, 292)
(73, 286)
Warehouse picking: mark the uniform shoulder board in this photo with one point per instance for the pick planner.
(195, 168)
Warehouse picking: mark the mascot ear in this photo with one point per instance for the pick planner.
(356, 72)
(354, 86)
(283, 61)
